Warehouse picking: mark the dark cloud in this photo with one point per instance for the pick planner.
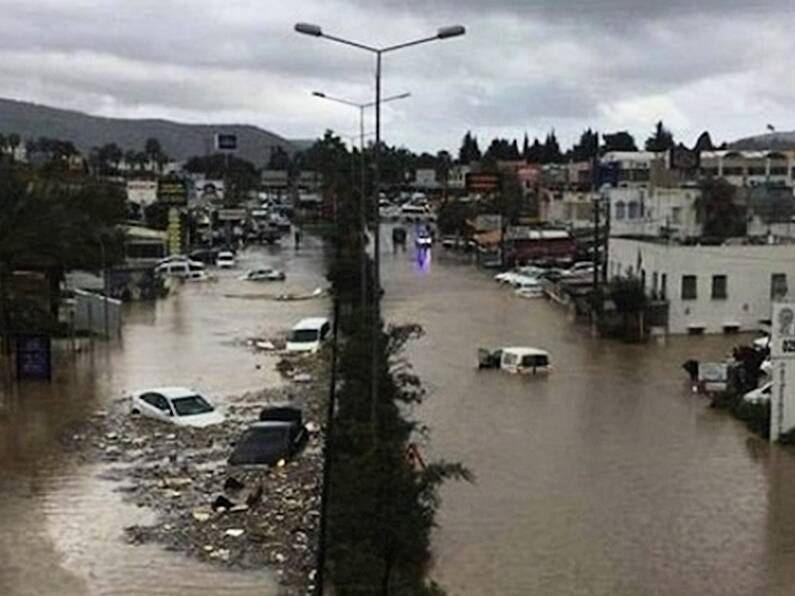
(539, 65)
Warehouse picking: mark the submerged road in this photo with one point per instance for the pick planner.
(62, 525)
(608, 477)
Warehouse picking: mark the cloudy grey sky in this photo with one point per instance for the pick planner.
(722, 65)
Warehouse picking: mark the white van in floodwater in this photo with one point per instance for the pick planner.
(308, 335)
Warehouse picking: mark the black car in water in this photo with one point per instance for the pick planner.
(279, 434)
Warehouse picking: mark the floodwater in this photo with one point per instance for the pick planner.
(62, 526)
(606, 477)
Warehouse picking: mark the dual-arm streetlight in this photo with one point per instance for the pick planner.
(316, 31)
(362, 190)
(442, 33)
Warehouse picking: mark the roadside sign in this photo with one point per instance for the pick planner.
(172, 191)
(482, 182)
(782, 344)
(34, 357)
(487, 222)
(225, 142)
(231, 214)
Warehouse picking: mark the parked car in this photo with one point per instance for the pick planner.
(264, 274)
(266, 443)
(308, 335)
(516, 360)
(760, 394)
(205, 255)
(226, 260)
(179, 267)
(177, 405)
(199, 277)
(530, 291)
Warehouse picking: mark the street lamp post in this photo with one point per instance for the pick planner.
(442, 33)
(316, 31)
(362, 209)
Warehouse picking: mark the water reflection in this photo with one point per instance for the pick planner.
(57, 515)
(609, 477)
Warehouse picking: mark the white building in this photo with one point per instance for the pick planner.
(655, 212)
(709, 289)
(567, 207)
(457, 177)
(142, 192)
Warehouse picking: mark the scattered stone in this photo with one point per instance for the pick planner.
(235, 532)
(312, 427)
(240, 507)
(221, 553)
(302, 378)
(201, 516)
(233, 484)
(221, 503)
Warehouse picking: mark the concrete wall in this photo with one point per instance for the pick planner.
(748, 270)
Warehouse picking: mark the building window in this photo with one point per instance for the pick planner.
(733, 171)
(664, 286)
(778, 171)
(719, 287)
(778, 285)
(689, 287)
(620, 210)
(676, 215)
(757, 171)
(654, 284)
(633, 210)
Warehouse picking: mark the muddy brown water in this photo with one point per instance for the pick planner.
(62, 526)
(606, 477)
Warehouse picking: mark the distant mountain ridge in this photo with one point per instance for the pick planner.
(180, 141)
(772, 140)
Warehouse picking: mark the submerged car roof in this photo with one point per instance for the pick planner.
(170, 392)
(526, 351)
(310, 323)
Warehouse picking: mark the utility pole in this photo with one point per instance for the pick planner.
(595, 302)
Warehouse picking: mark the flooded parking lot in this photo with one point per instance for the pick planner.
(608, 476)
(59, 515)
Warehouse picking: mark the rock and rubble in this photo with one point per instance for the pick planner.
(242, 517)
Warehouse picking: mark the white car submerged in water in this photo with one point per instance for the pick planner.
(177, 405)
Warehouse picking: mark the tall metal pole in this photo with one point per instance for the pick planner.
(376, 296)
(105, 284)
(362, 204)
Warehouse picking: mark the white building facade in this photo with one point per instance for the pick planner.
(655, 212)
(709, 289)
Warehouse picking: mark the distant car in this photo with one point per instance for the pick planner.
(760, 394)
(308, 335)
(516, 360)
(265, 443)
(198, 277)
(264, 274)
(182, 267)
(177, 405)
(226, 260)
(762, 342)
(423, 241)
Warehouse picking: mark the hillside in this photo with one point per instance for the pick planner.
(179, 141)
(773, 140)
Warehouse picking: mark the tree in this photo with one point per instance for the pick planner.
(536, 152)
(719, 212)
(551, 150)
(661, 139)
(525, 147)
(587, 147)
(153, 151)
(279, 159)
(618, 141)
(469, 150)
(131, 158)
(704, 142)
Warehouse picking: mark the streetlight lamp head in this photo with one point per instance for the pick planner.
(318, 94)
(452, 31)
(309, 29)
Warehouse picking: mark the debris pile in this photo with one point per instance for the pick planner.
(247, 518)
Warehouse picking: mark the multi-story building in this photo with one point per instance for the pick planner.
(655, 212)
(708, 289)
